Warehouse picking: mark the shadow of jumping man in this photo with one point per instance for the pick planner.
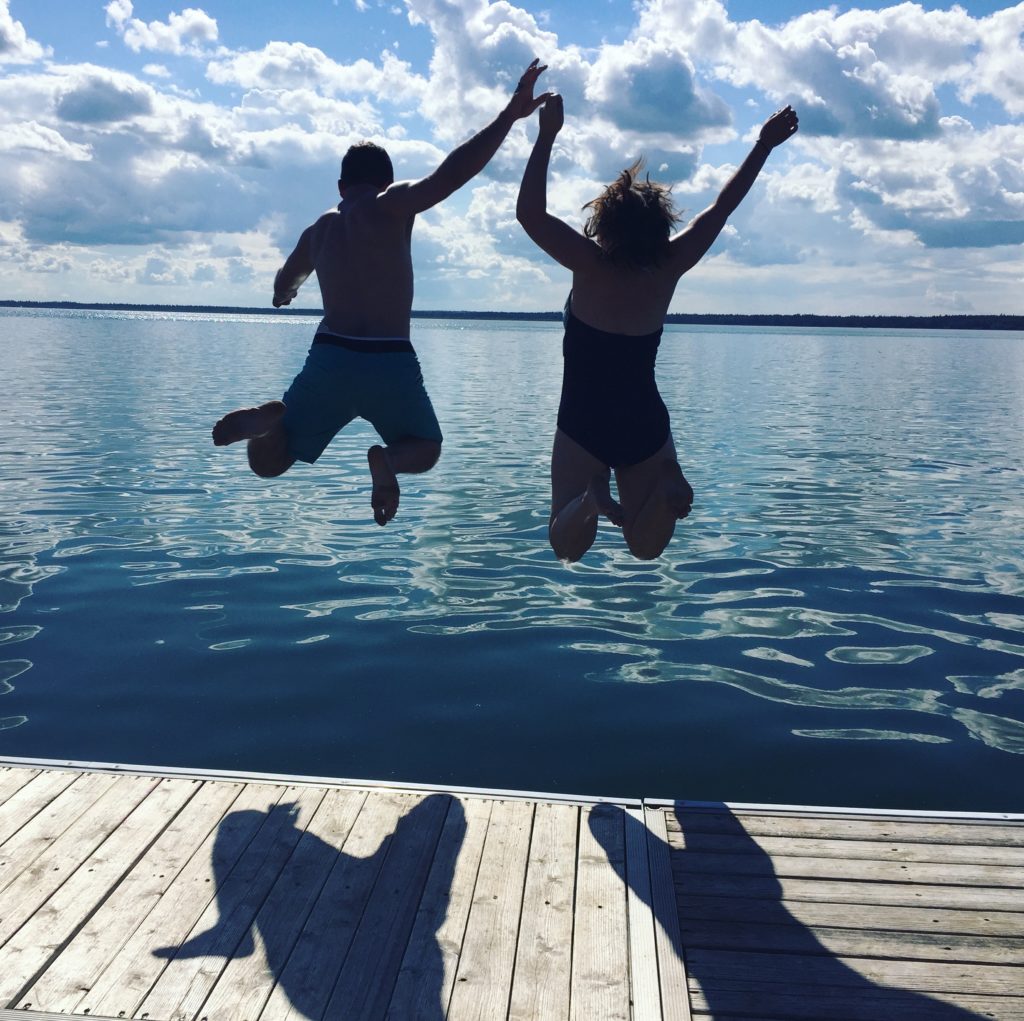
(745, 949)
(345, 934)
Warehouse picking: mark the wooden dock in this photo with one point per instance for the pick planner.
(172, 895)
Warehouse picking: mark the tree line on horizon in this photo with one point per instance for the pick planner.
(951, 321)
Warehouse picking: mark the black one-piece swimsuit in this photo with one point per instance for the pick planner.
(610, 402)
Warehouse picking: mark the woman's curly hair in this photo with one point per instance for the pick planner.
(632, 219)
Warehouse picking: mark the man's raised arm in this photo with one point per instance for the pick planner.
(406, 198)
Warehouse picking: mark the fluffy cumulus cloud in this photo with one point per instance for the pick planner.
(907, 171)
(285, 67)
(97, 96)
(15, 45)
(192, 31)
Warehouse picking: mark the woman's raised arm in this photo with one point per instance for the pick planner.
(556, 237)
(689, 246)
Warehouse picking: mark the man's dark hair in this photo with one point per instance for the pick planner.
(367, 162)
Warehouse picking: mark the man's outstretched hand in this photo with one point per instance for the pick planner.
(782, 124)
(523, 101)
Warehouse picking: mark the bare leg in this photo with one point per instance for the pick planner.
(263, 427)
(410, 456)
(579, 496)
(655, 495)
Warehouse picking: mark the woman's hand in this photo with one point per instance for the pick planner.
(523, 101)
(781, 125)
(552, 116)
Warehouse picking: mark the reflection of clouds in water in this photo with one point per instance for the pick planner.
(775, 656)
(997, 732)
(9, 669)
(892, 656)
(989, 687)
(18, 633)
(868, 734)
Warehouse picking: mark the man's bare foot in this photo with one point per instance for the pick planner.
(600, 494)
(247, 423)
(384, 496)
(677, 491)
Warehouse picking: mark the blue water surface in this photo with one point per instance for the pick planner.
(840, 621)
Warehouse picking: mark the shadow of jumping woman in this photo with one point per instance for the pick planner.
(745, 951)
(345, 935)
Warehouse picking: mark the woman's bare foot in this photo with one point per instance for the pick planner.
(247, 423)
(601, 496)
(677, 491)
(385, 492)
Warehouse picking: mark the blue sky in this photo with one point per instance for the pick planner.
(160, 153)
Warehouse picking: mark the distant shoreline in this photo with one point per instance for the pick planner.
(936, 322)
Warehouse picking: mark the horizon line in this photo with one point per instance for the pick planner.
(953, 320)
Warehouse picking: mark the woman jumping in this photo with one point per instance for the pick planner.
(625, 267)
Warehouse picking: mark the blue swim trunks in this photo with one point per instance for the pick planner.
(352, 377)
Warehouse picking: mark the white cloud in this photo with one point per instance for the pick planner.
(159, 272)
(15, 45)
(296, 66)
(99, 96)
(650, 87)
(118, 12)
(998, 69)
(191, 32)
(29, 135)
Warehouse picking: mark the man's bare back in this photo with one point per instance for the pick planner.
(363, 263)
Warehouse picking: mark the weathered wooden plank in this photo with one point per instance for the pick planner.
(48, 871)
(224, 930)
(871, 1003)
(861, 870)
(483, 979)
(724, 966)
(382, 936)
(34, 945)
(675, 999)
(540, 986)
(823, 847)
(740, 934)
(645, 993)
(424, 986)
(965, 898)
(600, 966)
(13, 779)
(23, 793)
(123, 985)
(60, 988)
(48, 821)
(852, 916)
(857, 828)
(246, 982)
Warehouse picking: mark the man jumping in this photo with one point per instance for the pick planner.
(361, 363)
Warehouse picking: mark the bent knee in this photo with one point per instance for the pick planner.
(644, 549)
(269, 467)
(567, 556)
(431, 452)
(267, 471)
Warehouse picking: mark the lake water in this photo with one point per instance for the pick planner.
(840, 621)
